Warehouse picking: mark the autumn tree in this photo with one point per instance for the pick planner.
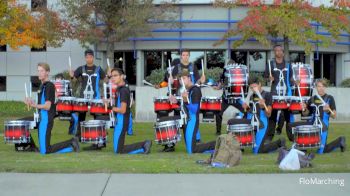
(20, 26)
(111, 21)
(291, 20)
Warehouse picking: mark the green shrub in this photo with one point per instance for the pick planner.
(212, 73)
(156, 76)
(14, 108)
(345, 83)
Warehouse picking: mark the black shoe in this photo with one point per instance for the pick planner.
(169, 149)
(283, 143)
(342, 144)
(75, 144)
(147, 146)
(278, 131)
(93, 147)
(198, 141)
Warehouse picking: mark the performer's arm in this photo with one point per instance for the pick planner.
(120, 110)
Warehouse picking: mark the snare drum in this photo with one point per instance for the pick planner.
(17, 131)
(279, 102)
(210, 105)
(93, 131)
(303, 73)
(62, 87)
(80, 105)
(162, 104)
(65, 105)
(295, 106)
(236, 81)
(97, 107)
(307, 136)
(167, 130)
(243, 130)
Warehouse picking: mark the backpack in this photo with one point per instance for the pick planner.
(227, 151)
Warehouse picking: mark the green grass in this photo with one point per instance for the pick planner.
(156, 162)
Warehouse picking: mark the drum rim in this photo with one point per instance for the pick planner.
(17, 122)
(240, 128)
(163, 123)
(64, 98)
(310, 129)
(93, 122)
(96, 101)
(81, 100)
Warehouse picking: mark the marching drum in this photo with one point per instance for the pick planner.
(236, 81)
(80, 105)
(111, 88)
(243, 130)
(17, 131)
(279, 102)
(162, 104)
(97, 107)
(307, 136)
(93, 131)
(303, 73)
(210, 105)
(65, 105)
(62, 87)
(167, 130)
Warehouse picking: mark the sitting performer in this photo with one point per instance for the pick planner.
(326, 111)
(122, 111)
(226, 102)
(260, 109)
(192, 98)
(275, 77)
(47, 111)
(73, 122)
(90, 75)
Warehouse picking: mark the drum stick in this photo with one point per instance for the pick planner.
(323, 102)
(260, 97)
(109, 66)
(202, 66)
(105, 94)
(111, 94)
(270, 68)
(170, 76)
(70, 63)
(30, 89)
(183, 84)
(145, 82)
(26, 92)
(301, 99)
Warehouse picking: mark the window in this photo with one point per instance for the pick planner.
(215, 59)
(36, 4)
(127, 62)
(153, 60)
(2, 83)
(296, 57)
(257, 61)
(43, 49)
(35, 83)
(3, 48)
(325, 67)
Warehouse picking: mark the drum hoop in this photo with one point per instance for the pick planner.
(166, 123)
(307, 129)
(17, 123)
(66, 98)
(240, 128)
(93, 123)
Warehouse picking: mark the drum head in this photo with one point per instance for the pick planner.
(17, 123)
(93, 123)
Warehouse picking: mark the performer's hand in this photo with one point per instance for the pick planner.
(172, 99)
(157, 86)
(105, 101)
(218, 87)
(245, 106)
(262, 103)
(109, 73)
(303, 106)
(71, 73)
(32, 104)
(202, 79)
(184, 96)
(271, 78)
(297, 82)
(326, 108)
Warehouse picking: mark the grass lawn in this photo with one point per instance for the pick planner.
(157, 162)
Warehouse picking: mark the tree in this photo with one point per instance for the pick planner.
(111, 21)
(21, 27)
(293, 20)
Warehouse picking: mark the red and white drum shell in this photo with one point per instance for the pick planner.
(93, 131)
(279, 103)
(65, 105)
(81, 105)
(303, 74)
(210, 104)
(307, 136)
(236, 81)
(17, 131)
(167, 130)
(97, 107)
(243, 130)
(162, 104)
(62, 87)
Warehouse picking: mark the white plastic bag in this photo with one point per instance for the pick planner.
(291, 161)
